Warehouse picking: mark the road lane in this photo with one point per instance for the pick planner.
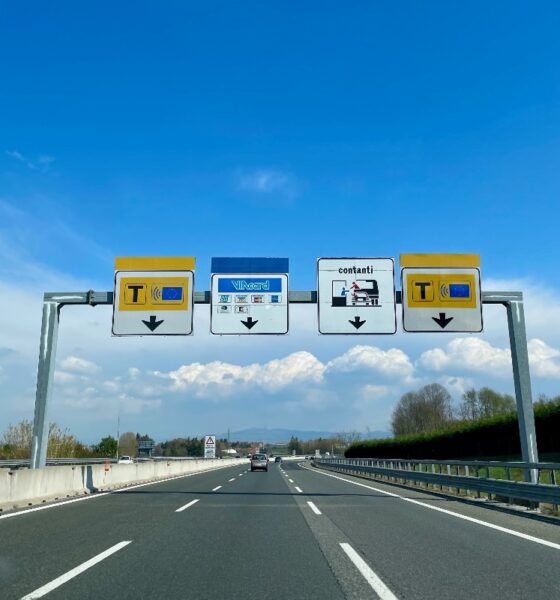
(259, 536)
(37, 547)
(421, 553)
(246, 541)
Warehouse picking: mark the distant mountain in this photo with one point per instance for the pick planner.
(275, 436)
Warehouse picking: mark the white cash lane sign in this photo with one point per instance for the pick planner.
(356, 296)
(209, 446)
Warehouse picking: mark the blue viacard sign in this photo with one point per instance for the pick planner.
(249, 284)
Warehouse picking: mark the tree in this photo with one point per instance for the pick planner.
(492, 403)
(16, 442)
(544, 401)
(428, 409)
(128, 444)
(181, 447)
(468, 409)
(107, 446)
(484, 403)
(295, 444)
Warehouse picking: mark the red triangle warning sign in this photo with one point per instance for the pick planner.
(210, 440)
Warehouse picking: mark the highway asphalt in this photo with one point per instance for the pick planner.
(292, 532)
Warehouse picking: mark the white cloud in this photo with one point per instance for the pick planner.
(272, 376)
(467, 353)
(544, 360)
(477, 354)
(79, 365)
(456, 386)
(391, 363)
(63, 377)
(132, 405)
(15, 154)
(42, 163)
(268, 182)
(369, 396)
(133, 372)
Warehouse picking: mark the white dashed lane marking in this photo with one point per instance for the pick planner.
(187, 506)
(314, 508)
(55, 583)
(378, 586)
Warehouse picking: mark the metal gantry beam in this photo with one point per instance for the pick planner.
(54, 301)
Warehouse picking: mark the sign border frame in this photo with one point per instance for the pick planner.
(190, 304)
(287, 275)
(357, 332)
(481, 330)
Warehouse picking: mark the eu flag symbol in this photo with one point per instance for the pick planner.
(172, 293)
(459, 290)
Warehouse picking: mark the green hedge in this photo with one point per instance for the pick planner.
(489, 437)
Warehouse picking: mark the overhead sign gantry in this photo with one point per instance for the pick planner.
(153, 295)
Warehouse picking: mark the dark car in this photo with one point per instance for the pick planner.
(259, 461)
(278, 459)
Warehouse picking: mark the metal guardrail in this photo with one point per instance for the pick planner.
(473, 476)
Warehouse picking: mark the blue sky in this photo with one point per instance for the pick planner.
(275, 129)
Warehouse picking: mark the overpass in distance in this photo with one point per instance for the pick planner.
(292, 532)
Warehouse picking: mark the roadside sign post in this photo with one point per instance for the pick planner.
(249, 296)
(356, 296)
(522, 384)
(209, 446)
(153, 296)
(45, 376)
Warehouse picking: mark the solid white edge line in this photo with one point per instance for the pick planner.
(216, 488)
(314, 508)
(299, 489)
(232, 479)
(101, 494)
(378, 586)
(52, 585)
(187, 505)
(518, 534)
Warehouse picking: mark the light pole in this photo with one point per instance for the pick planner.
(118, 429)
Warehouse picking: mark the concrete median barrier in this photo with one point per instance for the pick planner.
(28, 487)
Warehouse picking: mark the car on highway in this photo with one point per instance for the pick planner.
(259, 461)
(278, 459)
(125, 460)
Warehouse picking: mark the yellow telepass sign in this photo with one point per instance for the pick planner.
(153, 295)
(441, 292)
(443, 261)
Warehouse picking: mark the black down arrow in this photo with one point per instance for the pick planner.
(249, 323)
(356, 322)
(442, 321)
(152, 324)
